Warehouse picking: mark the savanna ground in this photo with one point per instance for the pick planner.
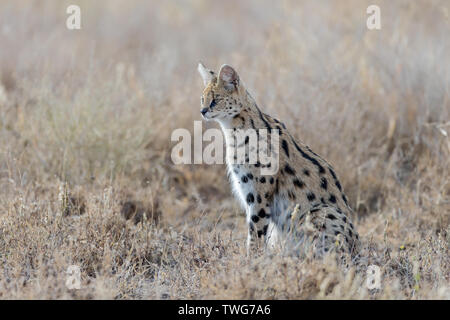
(86, 117)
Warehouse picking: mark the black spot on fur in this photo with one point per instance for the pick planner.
(250, 176)
(336, 181)
(333, 173)
(289, 170)
(244, 179)
(250, 198)
(262, 213)
(332, 198)
(298, 183)
(262, 180)
(345, 199)
(272, 180)
(323, 183)
(311, 196)
(263, 232)
(285, 147)
(255, 219)
(331, 216)
(258, 198)
(278, 121)
(306, 172)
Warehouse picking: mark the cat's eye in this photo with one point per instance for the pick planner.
(213, 103)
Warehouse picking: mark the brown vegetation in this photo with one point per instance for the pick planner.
(86, 117)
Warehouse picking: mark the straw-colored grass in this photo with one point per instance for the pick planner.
(85, 122)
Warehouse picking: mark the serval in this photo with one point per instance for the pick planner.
(302, 204)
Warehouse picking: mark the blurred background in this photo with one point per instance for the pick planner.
(84, 111)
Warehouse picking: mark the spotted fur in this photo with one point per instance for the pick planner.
(303, 203)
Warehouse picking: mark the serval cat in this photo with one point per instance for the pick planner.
(303, 203)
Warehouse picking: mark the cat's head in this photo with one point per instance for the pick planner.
(221, 98)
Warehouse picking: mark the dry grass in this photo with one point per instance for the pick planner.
(85, 124)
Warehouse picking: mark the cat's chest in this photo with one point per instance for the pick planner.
(242, 182)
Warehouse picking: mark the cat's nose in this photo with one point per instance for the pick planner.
(203, 111)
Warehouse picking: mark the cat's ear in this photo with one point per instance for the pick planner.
(207, 75)
(228, 77)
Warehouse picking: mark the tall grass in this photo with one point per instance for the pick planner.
(90, 112)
